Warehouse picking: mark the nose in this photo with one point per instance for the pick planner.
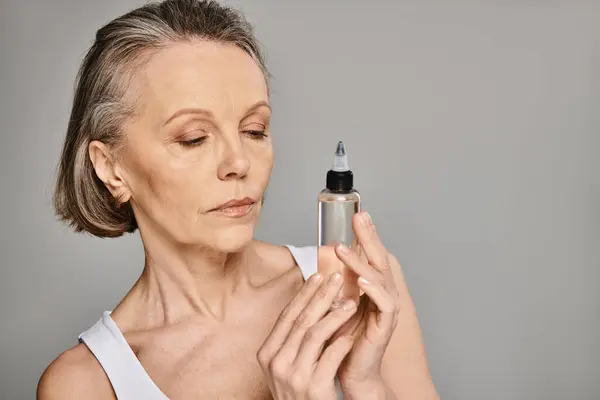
(235, 163)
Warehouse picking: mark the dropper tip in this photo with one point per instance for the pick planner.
(340, 162)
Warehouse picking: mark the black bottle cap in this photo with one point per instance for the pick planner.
(340, 181)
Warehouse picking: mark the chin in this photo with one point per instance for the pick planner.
(232, 239)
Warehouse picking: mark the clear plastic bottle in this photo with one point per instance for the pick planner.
(337, 203)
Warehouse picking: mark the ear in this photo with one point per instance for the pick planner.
(108, 171)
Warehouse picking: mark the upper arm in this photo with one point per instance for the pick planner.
(405, 368)
(75, 374)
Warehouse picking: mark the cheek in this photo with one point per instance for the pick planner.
(261, 161)
(167, 188)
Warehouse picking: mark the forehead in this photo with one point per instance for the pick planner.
(219, 77)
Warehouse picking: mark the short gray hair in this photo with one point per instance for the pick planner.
(99, 110)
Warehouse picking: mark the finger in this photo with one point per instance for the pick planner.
(286, 319)
(386, 304)
(367, 235)
(315, 338)
(330, 360)
(351, 260)
(317, 307)
(329, 263)
(356, 246)
(350, 289)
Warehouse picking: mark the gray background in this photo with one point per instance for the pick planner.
(471, 128)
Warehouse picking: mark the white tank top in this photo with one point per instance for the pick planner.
(129, 379)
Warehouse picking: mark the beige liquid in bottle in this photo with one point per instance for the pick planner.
(337, 204)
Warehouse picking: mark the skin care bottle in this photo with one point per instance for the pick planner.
(337, 203)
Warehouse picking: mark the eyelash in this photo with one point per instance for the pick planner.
(254, 135)
(193, 142)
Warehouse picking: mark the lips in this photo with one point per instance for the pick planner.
(247, 201)
(235, 208)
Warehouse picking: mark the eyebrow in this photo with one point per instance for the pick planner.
(184, 111)
(208, 113)
(258, 105)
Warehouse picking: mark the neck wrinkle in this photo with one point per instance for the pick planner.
(194, 282)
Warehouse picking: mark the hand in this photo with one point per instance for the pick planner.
(297, 357)
(372, 326)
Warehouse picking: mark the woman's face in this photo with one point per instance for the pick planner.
(200, 139)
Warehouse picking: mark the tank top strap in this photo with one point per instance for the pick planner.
(306, 258)
(129, 379)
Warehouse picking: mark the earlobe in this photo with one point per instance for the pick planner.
(107, 171)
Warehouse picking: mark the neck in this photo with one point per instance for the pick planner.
(183, 281)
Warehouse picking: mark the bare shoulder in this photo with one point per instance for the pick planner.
(277, 263)
(274, 256)
(74, 374)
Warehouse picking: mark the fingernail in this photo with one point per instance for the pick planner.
(316, 278)
(366, 220)
(349, 305)
(335, 278)
(343, 248)
(363, 281)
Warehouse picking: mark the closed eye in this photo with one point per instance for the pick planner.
(256, 135)
(193, 142)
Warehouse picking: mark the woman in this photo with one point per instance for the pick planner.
(169, 134)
